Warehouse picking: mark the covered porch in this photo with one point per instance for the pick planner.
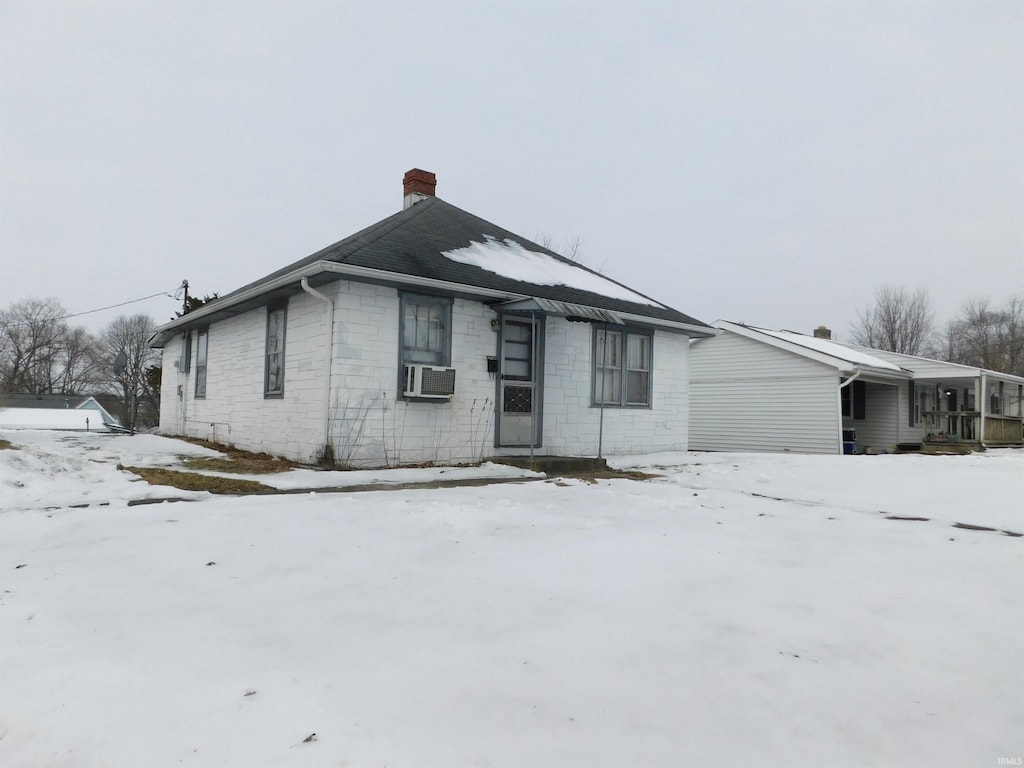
(979, 411)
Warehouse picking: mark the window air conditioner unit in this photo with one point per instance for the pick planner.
(429, 381)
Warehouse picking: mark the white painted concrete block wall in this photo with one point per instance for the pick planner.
(369, 424)
(235, 410)
(572, 426)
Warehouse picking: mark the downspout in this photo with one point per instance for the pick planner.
(330, 360)
(982, 397)
(839, 404)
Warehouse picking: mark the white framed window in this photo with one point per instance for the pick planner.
(202, 338)
(273, 372)
(622, 368)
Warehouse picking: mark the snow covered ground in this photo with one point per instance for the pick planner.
(740, 610)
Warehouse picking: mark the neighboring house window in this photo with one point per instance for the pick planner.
(996, 399)
(622, 368)
(854, 400)
(201, 343)
(273, 378)
(912, 408)
(426, 329)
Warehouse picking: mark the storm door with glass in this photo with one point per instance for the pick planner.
(519, 388)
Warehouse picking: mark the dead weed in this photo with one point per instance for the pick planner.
(190, 481)
(237, 461)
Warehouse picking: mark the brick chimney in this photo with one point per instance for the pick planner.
(821, 332)
(418, 185)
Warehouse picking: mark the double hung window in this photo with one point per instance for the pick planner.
(622, 368)
(426, 329)
(201, 345)
(273, 375)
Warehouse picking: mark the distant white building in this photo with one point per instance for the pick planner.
(71, 412)
(431, 336)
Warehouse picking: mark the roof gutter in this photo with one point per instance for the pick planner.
(165, 331)
(856, 374)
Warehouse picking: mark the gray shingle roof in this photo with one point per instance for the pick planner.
(412, 242)
(8, 400)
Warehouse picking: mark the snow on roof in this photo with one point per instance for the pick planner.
(832, 348)
(42, 418)
(510, 259)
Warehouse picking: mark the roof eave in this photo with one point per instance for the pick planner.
(207, 311)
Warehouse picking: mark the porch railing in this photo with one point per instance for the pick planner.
(956, 426)
(951, 426)
(1004, 429)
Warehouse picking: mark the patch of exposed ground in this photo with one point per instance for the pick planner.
(237, 461)
(6, 445)
(190, 481)
(607, 474)
(253, 464)
(245, 462)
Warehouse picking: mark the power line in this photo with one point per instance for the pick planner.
(122, 304)
(93, 311)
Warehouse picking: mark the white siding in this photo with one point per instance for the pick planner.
(749, 396)
(887, 418)
(879, 429)
(369, 424)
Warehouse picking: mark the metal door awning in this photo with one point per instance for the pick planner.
(565, 309)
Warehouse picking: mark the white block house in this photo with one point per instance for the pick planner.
(431, 336)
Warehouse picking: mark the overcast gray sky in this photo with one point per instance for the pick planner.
(769, 163)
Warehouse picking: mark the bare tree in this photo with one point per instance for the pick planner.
(1013, 335)
(946, 343)
(32, 334)
(898, 321)
(130, 335)
(80, 370)
(986, 336)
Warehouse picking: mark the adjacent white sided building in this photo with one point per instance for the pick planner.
(431, 336)
(754, 389)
